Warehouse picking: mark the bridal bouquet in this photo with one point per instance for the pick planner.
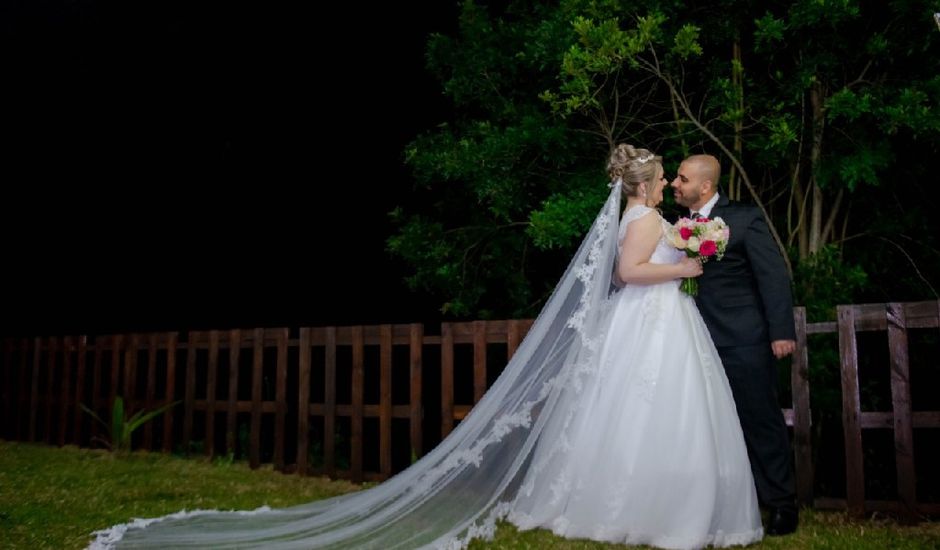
(703, 238)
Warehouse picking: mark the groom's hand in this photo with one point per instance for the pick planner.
(782, 348)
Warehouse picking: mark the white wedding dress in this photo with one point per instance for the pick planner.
(651, 450)
(613, 421)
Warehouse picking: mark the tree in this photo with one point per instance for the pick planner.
(811, 104)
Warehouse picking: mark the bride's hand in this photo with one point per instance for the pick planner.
(690, 267)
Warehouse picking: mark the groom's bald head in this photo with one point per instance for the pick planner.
(708, 168)
(697, 181)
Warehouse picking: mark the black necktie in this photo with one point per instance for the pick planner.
(695, 216)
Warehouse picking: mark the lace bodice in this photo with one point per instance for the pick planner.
(664, 252)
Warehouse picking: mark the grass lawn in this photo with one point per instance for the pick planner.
(54, 498)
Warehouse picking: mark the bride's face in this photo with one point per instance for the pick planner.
(655, 196)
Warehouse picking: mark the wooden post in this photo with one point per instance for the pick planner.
(211, 390)
(8, 427)
(303, 400)
(169, 397)
(117, 341)
(50, 379)
(901, 405)
(479, 360)
(189, 391)
(513, 338)
(231, 419)
(851, 412)
(416, 411)
(150, 392)
(96, 377)
(385, 401)
(79, 390)
(280, 405)
(329, 406)
(447, 379)
(34, 388)
(802, 414)
(257, 376)
(358, 373)
(130, 373)
(66, 389)
(23, 406)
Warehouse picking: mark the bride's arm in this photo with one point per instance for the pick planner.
(638, 245)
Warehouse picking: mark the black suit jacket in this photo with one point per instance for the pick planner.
(745, 298)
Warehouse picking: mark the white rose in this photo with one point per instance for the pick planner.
(693, 244)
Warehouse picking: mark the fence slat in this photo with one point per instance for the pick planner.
(280, 396)
(303, 401)
(24, 407)
(117, 342)
(8, 427)
(479, 360)
(34, 388)
(231, 418)
(901, 405)
(329, 405)
(447, 379)
(66, 389)
(96, 376)
(851, 410)
(150, 392)
(170, 394)
(385, 401)
(130, 373)
(79, 389)
(416, 412)
(51, 353)
(211, 392)
(257, 376)
(358, 383)
(802, 413)
(189, 390)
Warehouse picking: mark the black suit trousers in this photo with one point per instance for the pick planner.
(753, 377)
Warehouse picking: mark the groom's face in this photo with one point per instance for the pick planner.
(687, 187)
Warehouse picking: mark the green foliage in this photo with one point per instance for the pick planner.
(121, 429)
(826, 280)
(826, 93)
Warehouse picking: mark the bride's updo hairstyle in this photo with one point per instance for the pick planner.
(633, 166)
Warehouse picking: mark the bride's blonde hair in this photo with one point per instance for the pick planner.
(633, 167)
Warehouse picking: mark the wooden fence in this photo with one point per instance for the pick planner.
(277, 396)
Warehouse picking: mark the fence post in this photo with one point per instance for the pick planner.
(358, 374)
(802, 413)
(211, 388)
(447, 379)
(385, 400)
(257, 377)
(851, 412)
(280, 398)
(416, 410)
(901, 410)
(171, 343)
(303, 400)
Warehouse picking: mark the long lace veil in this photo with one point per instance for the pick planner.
(461, 488)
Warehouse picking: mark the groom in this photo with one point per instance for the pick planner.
(746, 303)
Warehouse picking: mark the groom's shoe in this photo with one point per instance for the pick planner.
(782, 521)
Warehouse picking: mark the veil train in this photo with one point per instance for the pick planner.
(461, 488)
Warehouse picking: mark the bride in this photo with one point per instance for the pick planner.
(614, 421)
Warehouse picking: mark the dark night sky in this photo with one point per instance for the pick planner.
(126, 131)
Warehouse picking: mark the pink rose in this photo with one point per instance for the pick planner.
(707, 248)
(685, 233)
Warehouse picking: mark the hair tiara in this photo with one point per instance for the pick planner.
(644, 160)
